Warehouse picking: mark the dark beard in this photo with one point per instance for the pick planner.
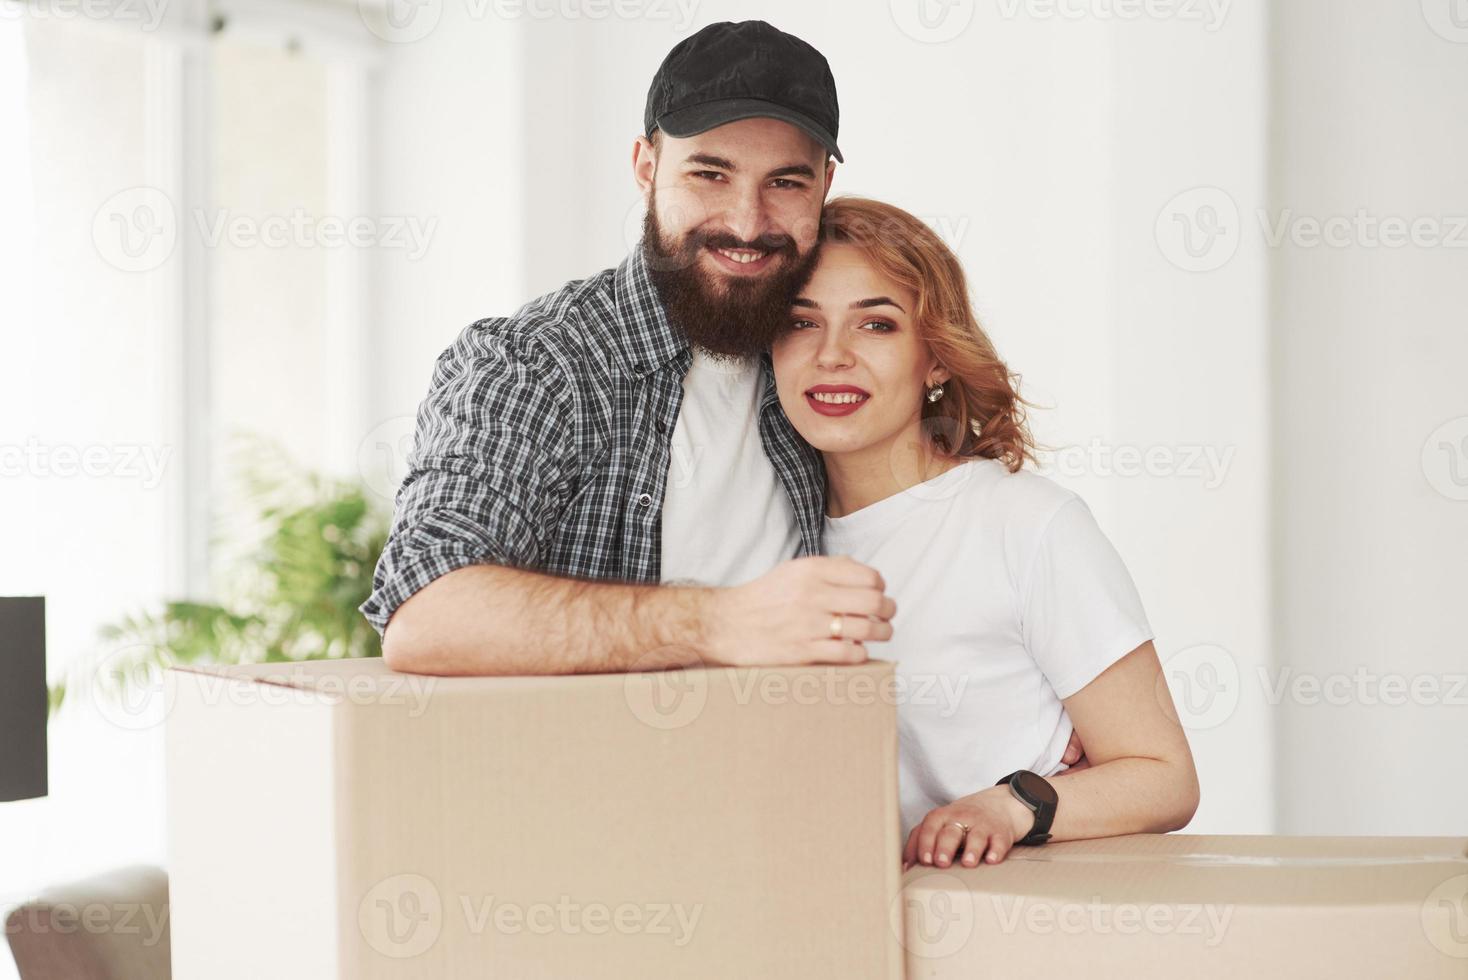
(729, 317)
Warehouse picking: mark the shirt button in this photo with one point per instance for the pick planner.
(644, 500)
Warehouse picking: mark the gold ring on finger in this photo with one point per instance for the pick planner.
(963, 827)
(836, 627)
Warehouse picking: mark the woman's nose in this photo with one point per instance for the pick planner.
(834, 351)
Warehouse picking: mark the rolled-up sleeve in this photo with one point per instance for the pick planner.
(488, 472)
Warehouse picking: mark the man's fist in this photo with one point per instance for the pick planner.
(807, 610)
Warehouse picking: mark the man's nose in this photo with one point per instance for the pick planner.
(746, 216)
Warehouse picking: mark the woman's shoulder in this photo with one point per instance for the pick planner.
(1019, 501)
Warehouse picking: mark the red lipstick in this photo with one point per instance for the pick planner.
(845, 406)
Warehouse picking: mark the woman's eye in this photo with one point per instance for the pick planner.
(800, 324)
(880, 326)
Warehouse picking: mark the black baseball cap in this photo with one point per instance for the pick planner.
(730, 71)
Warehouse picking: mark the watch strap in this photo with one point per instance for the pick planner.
(1044, 814)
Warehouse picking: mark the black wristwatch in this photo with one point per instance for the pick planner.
(1036, 793)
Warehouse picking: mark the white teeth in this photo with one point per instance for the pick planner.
(741, 257)
(833, 398)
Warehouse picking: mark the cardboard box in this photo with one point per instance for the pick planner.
(339, 820)
(1196, 907)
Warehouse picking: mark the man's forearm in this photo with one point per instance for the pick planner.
(487, 619)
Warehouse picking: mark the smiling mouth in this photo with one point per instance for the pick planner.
(836, 401)
(741, 255)
(741, 260)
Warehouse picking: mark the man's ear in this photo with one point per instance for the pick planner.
(830, 174)
(644, 163)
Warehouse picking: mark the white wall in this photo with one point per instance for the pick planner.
(83, 519)
(448, 150)
(1044, 149)
(1370, 421)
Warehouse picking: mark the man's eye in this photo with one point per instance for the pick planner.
(785, 184)
(708, 174)
(800, 324)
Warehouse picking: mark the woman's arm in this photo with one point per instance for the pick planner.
(1141, 778)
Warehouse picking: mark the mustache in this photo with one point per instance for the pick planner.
(774, 242)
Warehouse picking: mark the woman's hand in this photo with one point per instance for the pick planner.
(994, 818)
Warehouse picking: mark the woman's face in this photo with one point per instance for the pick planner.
(851, 370)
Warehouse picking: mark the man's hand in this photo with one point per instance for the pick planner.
(785, 616)
(1074, 755)
(994, 818)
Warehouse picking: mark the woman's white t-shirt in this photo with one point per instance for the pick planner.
(1009, 599)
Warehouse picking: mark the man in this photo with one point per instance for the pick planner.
(624, 431)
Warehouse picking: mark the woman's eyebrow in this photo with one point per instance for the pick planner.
(863, 304)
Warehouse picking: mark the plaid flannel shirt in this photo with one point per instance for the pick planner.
(543, 443)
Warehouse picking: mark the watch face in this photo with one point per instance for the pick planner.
(1036, 788)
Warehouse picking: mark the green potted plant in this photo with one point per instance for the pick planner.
(291, 594)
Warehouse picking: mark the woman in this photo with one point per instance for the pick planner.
(1017, 621)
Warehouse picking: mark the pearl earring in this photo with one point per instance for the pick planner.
(935, 393)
